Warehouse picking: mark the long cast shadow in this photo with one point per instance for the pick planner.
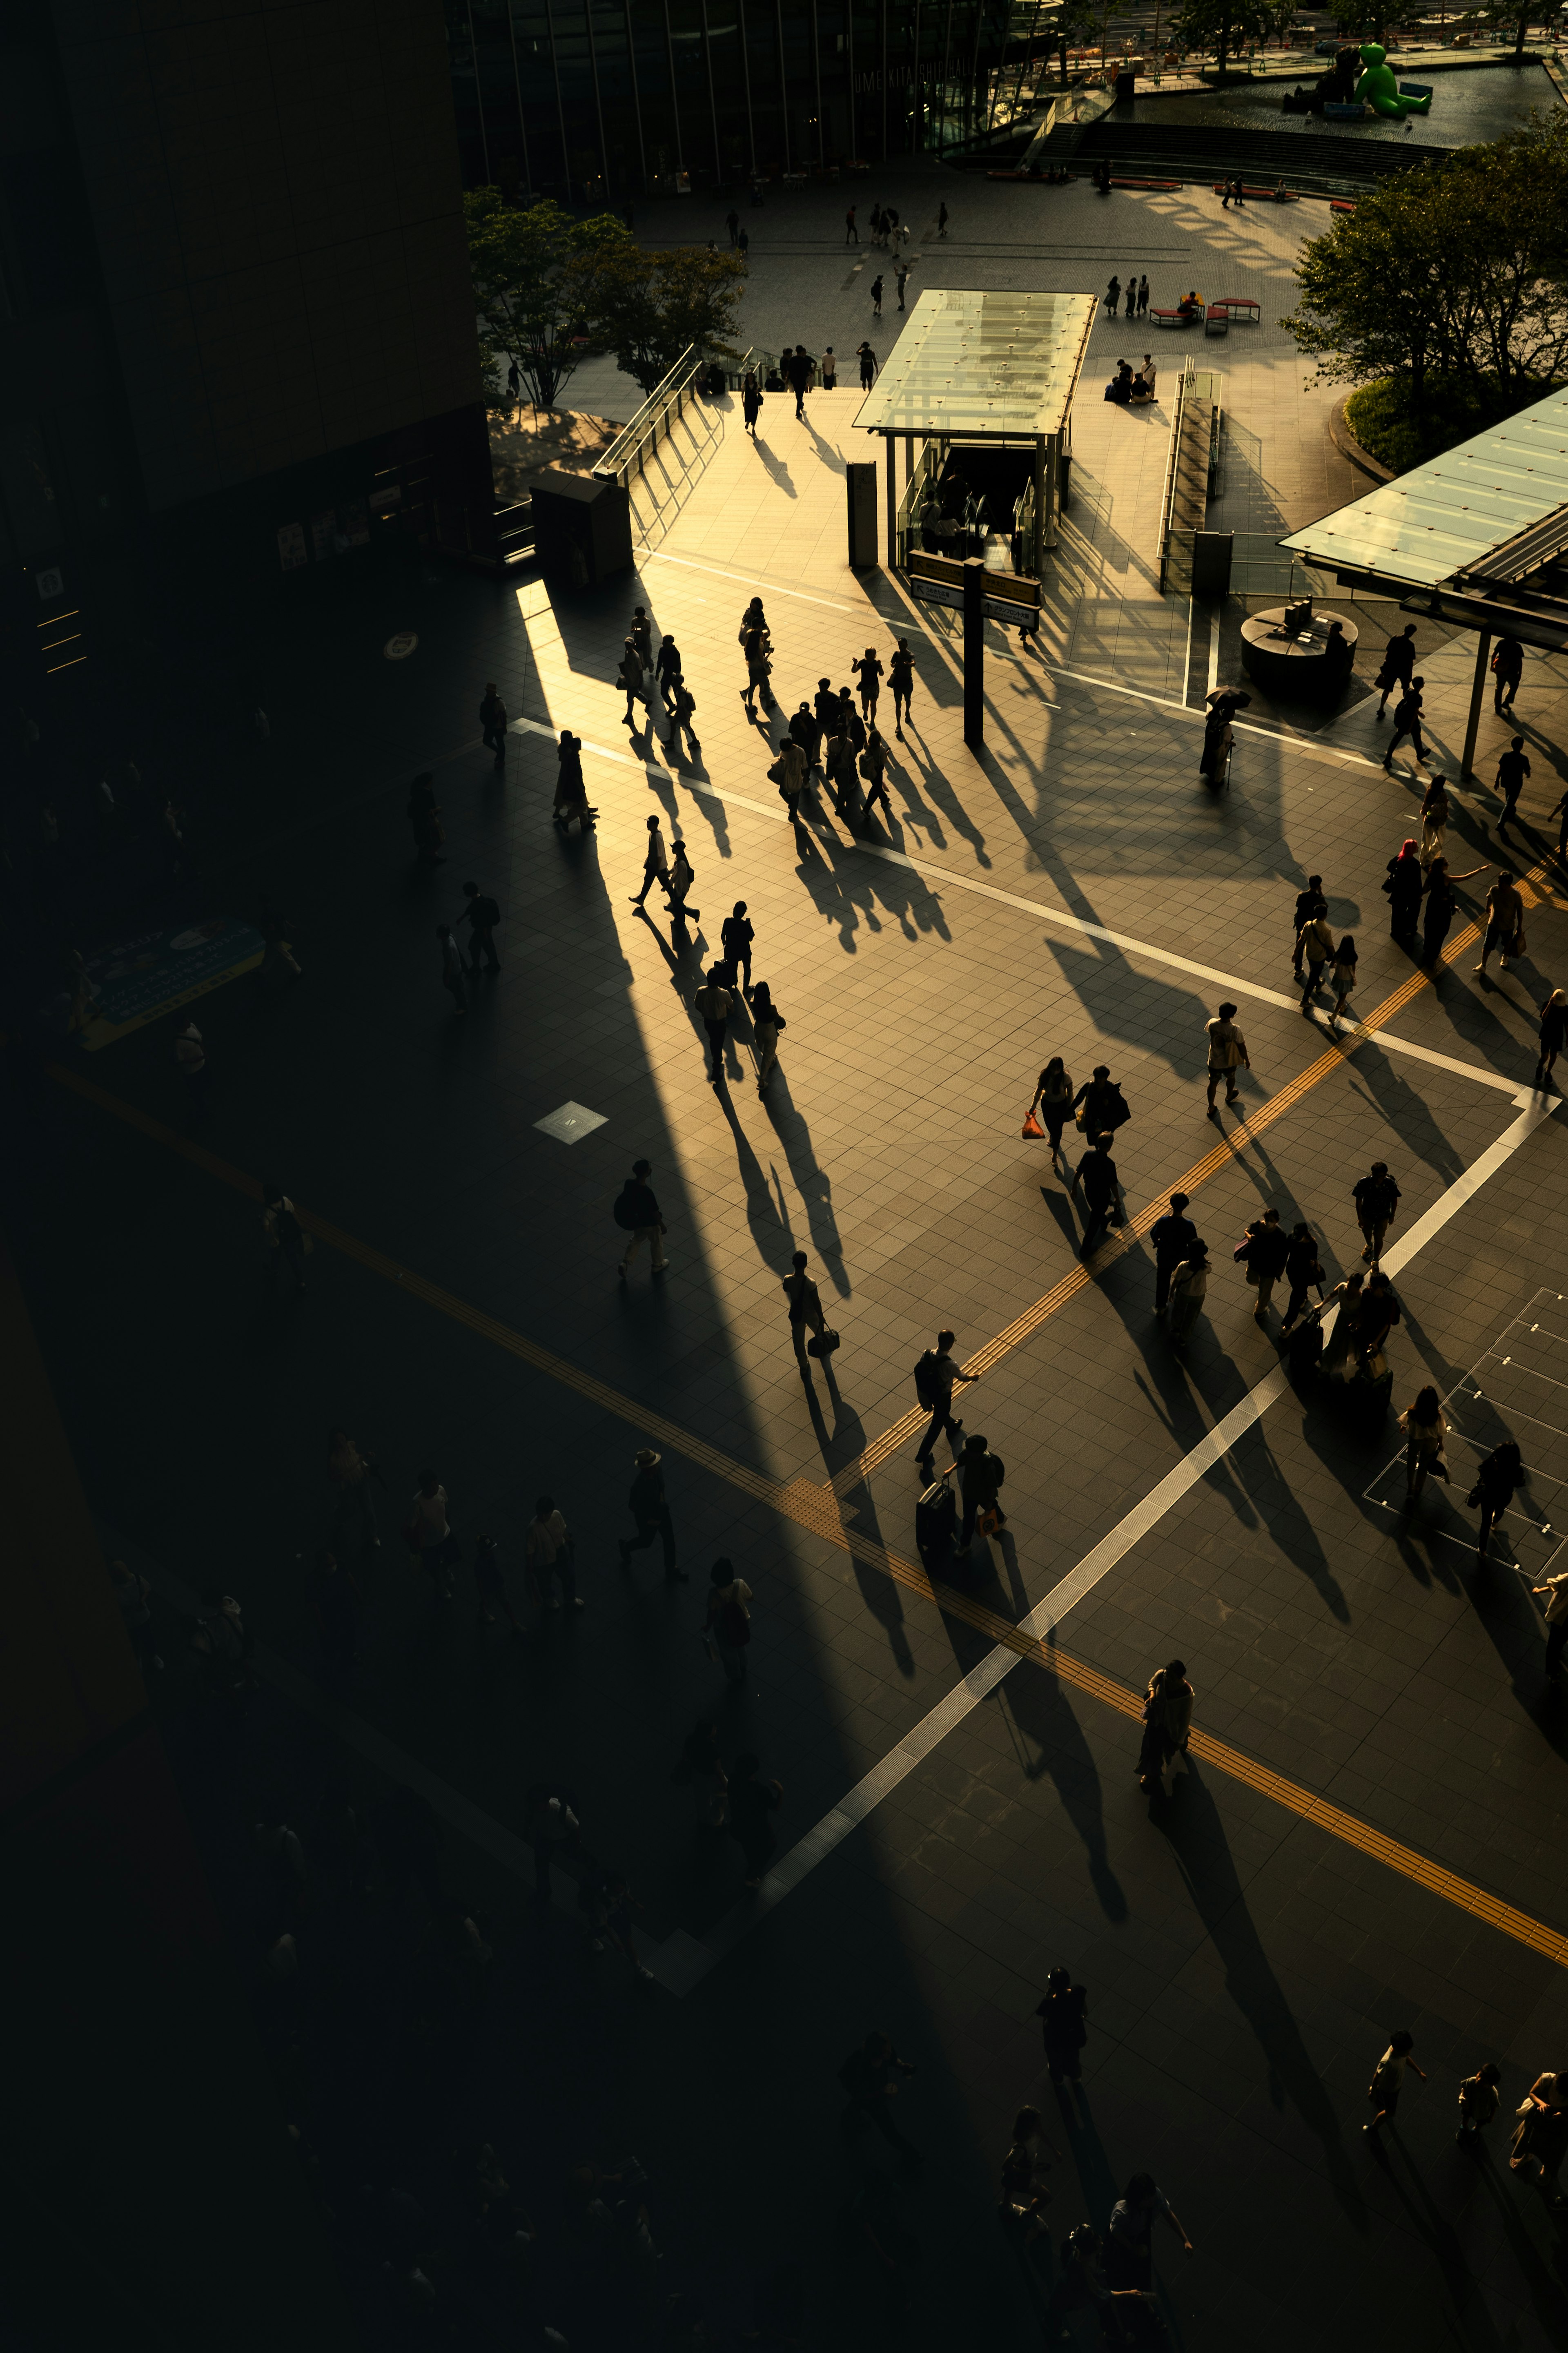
(1044, 1714)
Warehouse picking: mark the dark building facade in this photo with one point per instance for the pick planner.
(594, 100)
(235, 315)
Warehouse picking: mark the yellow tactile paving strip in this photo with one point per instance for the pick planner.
(814, 1508)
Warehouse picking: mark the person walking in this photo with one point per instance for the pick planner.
(550, 1555)
(1267, 1248)
(190, 1061)
(757, 645)
(350, 1472)
(454, 980)
(1513, 768)
(867, 668)
(493, 721)
(1541, 2135)
(1143, 314)
(902, 278)
(656, 863)
(714, 1002)
(743, 241)
(1303, 1273)
(751, 1800)
(830, 371)
(1341, 980)
(735, 936)
(1505, 922)
(1407, 722)
(1315, 947)
(284, 1235)
(798, 375)
(1054, 1100)
(1403, 883)
(732, 223)
(877, 296)
(728, 1624)
(667, 669)
(1227, 1055)
(482, 915)
(1063, 2013)
(650, 1510)
(805, 1312)
(901, 679)
(570, 791)
(1167, 1725)
(1376, 1199)
(1477, 2107)
(867, 2076)
(637, 1213)
(1442, 905)
(1311, 904)
(1388, 2078)
(839, 764)
(1130, 2234)
(766, 1023)
(1173, 1237)
(1397, 666)
(1099, 1103)
(1099, 1187)
(980, 1475)
(868, 359)
(750, 401)
(874, 768)
(806, 734)
(1555, 1593)
(1189, 1289)
(1112, 297)
(1507, 669)
(943, 217)
(935, 1376)
(1498, 1479)
(1435, 815)
(676, 889)
(631, 676)
(1553, 1029)
(1425, 1430)
(851, 233)
(429, 1535)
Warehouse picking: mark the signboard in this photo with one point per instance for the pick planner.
(139, 979)
(1011, 612)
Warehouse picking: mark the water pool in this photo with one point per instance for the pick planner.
(1471, 104)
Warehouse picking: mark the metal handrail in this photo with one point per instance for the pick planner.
(615, 456)
(1168, 492)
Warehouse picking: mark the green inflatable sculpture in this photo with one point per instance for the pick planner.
(1379, 86)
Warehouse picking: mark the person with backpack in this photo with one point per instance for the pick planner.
(284, 1235)
(1173, 1236)
(728, 1623)
(482, 915)
(806, 1312)
(682, 711)
(1101, 1101)
(935, 1375)
(637, 1213)
(980, 1477)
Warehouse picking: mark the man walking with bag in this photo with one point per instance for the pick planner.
(980, 1477)
(805, 1313)
(935, 1375)
(1227, 1054)
(636, 1211)
(1101, 1188)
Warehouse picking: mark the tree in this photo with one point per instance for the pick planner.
(532, 268)
(650, 306)
(1220, 25)
(1455, 275)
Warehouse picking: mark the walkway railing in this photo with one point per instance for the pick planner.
(1176, 525)
(633, 444)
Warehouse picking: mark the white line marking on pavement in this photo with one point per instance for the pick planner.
(696, 1958)
(972, 882)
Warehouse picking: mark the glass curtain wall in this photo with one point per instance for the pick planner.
(597, 102)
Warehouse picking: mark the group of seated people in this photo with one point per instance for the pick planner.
(1129, 388)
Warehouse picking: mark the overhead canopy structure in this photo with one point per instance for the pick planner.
(1469, 538)
(973, 366)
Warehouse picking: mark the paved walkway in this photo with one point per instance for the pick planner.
(1371, 1833)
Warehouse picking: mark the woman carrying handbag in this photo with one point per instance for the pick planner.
(1053, 1101)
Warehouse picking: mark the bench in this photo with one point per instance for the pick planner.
(1234, 303)
(1341, 204)
(1216, 320)
(1166, 318)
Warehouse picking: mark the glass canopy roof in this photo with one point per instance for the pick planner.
(1450, 514)
(983, 366)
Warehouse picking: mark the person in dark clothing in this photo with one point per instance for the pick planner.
(1407, 722)
(980, 1477)
(1513, 768)
(874, 768)
(651, 1512)
(1311, 904)
(571, 790)
(1497, 1480)
(1097, 1180)
(1112, 297)
(1507, 669)
(1173, 1237)
(750, 401)
(868, 359)
(1103, 1106)
(492, 719)
(1398, 665)
(482, 915)
(877, 296)
(1553, 1029)
(666, 669)
(1376, 1197)
(1402, 887)
(867, 2076)
(637, 1213)
(901, 679)
(798, 375)
(1063, 2016)
(1302, 1272)
(805, 730)
(735, 937)
(935, 1376)
(1376, 1313)
(751, 1800)
(1267, 1247)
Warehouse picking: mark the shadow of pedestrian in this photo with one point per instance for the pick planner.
(1043, 1714)
(812, 1182)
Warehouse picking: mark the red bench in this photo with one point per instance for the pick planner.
(1216, 320)
(1232, 303)
(1166, 318)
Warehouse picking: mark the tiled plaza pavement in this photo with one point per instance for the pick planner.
(1244, 1965)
